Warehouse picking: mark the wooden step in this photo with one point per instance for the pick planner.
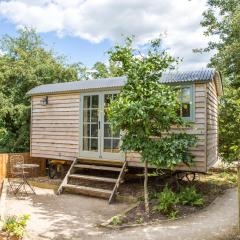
(89, 191)
(92, 178)
(98, 161)
(96, 167)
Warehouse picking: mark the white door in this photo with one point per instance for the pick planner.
(90, 125)
(96, 137)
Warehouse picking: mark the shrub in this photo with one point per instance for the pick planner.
(116, 220)
(167, 201)
(189, 196)
(15, 225)
(140, 220)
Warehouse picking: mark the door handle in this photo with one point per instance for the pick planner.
(99, 124)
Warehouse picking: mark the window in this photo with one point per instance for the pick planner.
(187, 102)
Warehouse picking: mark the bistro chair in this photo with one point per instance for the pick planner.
(18, 178)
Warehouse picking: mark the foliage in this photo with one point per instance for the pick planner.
(25, 64)
(117, 220)
(100, 70)
(15, 225)
(145, 109)
(189, 196)
(229, 121)
(167, 201)
(221, 21)
(140, 220)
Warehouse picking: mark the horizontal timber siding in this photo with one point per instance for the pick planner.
(55, 127)
(198, 128)
(212, 124)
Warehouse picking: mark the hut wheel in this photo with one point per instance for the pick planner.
(190, 176)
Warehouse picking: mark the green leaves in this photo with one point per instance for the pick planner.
(189, 196)
(167, 201)
(15, 225)
(24, 65)
(145, 110)
(229, 122)
(222, 20)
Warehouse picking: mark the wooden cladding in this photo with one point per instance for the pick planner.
(55, 127)
(198, 128)
(212, 124)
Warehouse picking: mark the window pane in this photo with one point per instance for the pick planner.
(105, 115)
(94, 116)
(116, 134)
(86, 144)
(107, 99)
(186, 110)
(107, 130)
(86, 130)
(86, 115)
(94, 144)
(94, 130)
(95, 101)
(116, 145)
(186, 95)
(114, 96)
(107, 145)
(86, 102)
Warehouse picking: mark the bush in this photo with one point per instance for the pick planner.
(189, 196)
(140, 220)
(167, 201)
(15, 225)
(117, 220)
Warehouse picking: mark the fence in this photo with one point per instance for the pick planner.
(5, 164)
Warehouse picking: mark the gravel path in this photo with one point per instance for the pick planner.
(75, 217)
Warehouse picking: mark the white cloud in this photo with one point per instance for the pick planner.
(96, 20)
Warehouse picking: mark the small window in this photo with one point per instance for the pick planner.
(187, 103)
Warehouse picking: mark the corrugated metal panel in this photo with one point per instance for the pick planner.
(170, 77)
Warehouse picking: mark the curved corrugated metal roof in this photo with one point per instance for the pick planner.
(117, 82)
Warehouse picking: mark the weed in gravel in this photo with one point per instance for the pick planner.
(140, 220)
(116, 220)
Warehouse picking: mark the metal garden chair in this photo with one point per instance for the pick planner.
(18, 178)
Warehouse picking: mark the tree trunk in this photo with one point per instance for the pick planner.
(146, 188)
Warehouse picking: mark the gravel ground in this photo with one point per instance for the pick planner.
(75, 217)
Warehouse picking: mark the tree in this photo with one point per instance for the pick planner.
(222, 20)
(145, 110)
(25, 64)
(100, 70)
(229, 125)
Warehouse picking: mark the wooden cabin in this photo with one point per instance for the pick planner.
(68, 120)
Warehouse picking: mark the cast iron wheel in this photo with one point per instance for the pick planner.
(52, 171)
(190, 177)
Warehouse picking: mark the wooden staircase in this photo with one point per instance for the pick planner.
(96, 178)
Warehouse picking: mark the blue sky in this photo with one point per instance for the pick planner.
(74, 48)
(84, 30)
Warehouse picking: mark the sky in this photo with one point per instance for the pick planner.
(84, 30)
